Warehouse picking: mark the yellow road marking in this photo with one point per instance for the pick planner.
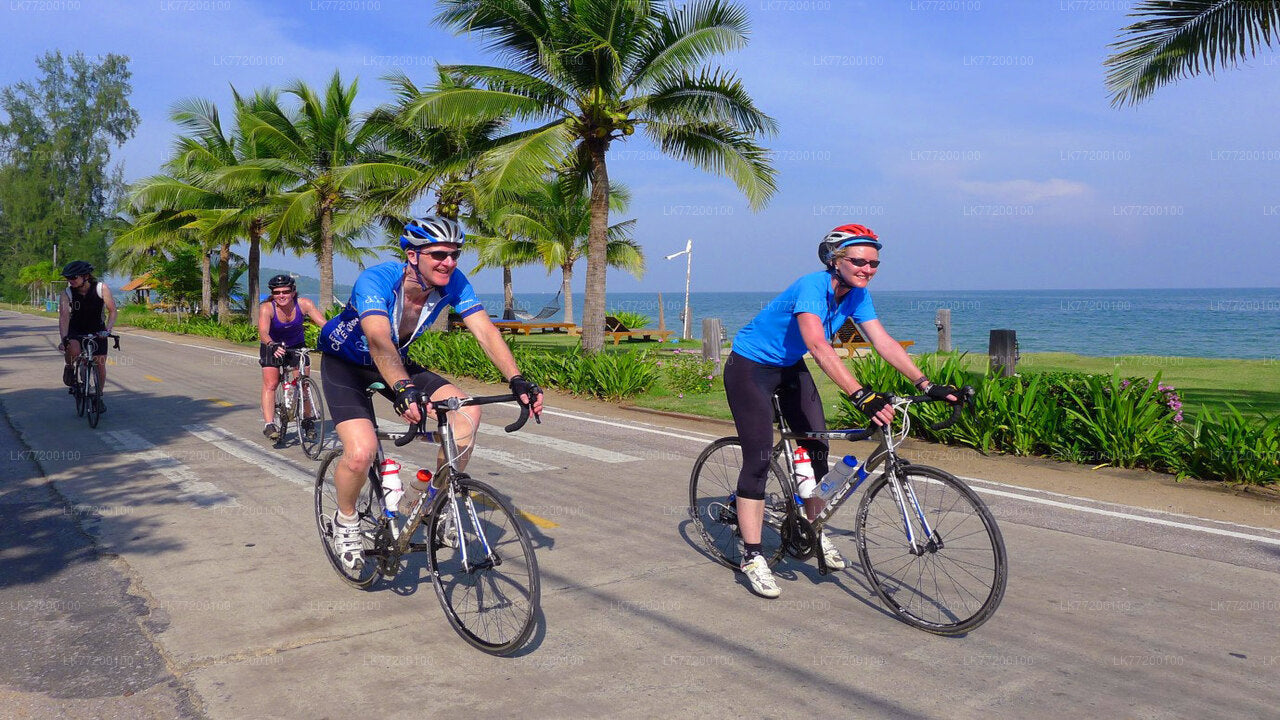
(539, 521)
(152, 378)
(219, 401)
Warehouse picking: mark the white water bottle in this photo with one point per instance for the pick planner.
(841, 473)
(805, 482)
(392, 488)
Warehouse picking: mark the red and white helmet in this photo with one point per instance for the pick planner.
(844, 236)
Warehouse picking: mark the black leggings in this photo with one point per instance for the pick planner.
(750, 387)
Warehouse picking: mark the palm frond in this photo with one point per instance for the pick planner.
(685, 38)
(722, 150)
(1174, 39)
(713, 96)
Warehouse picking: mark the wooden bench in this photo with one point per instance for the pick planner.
(849, 338)
(513, 327)
(615, 329)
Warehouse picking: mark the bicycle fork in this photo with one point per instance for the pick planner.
(904, 494)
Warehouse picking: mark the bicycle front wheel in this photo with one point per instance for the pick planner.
(483, 568)
(713, 504)
(81, 398)
(954, 579)
(311, 410)
(284, 407)
(92, 393)
(369, 510)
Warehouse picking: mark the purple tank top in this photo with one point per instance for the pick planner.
(289, 334)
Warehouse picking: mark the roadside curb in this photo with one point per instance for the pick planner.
(676, 415)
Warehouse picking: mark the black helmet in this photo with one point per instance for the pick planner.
(280, 281)
(76, 268)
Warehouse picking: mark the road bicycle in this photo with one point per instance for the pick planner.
(85, 388)
(479, 554)
(299, 400)
(927, 543)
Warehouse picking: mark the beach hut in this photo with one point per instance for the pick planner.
(141, 288)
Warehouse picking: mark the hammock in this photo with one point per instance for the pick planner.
(552, 308)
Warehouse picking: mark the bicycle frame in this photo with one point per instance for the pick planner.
(885, 453)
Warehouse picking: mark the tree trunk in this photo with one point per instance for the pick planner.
(326, 259)
(597, 243)
(224, 283)
(566, 290)
(508, 295)
(255, 249)
(206, 284)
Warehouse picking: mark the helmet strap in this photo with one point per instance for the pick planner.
(839, 278)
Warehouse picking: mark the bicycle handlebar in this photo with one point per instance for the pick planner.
(966, 398)
(417, 428)
(113, 336)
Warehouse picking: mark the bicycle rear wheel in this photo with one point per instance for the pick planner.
(284, 406)
(957, 581)
(491, 600)
(79, 389)
(92, 393)
(368, 508)
(311, 428)
(712, 494)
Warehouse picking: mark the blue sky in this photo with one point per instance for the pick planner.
(974, 136)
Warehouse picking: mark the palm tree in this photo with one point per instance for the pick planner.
(552, 222)
(587, 73)
(495, 247)
(335, 184)
(1173, 40)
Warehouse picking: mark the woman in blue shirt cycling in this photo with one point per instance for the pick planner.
(768, 358)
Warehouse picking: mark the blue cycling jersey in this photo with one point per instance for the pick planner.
(773, 335)
(378, 291)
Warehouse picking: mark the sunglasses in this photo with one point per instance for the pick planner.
(440, 255)
(281, 292)
(859, 262)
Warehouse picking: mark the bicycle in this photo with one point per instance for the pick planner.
(85, 387)
(298, 397)
(479, 555)
(927, 544)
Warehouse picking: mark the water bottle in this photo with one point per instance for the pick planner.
(392, 489)
(843, 472)
(805, 482)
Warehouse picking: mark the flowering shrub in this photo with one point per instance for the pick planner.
(688, 373)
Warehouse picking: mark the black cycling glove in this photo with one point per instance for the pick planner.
(408, 395)
(868, 402)
(940, 392)
(520, 386)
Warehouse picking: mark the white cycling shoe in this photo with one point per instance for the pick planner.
(834, 559)
(761, 577)
(348, 545)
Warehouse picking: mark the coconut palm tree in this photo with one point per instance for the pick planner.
(552, 222)
(585, 73)
(1173, 40)
(334, 183)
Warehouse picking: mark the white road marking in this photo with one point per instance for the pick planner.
(252, 454)
(568, 446)
(190, 486)
(1124, 515)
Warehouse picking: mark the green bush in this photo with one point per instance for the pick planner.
(633, 320)
(610, 376)
(1228, 447)
(688, 373)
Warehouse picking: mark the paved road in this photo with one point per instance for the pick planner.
(231, 611)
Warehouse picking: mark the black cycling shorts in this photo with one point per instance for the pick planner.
(266, 358)
(100, 344)
(345, 383)
(750, 387)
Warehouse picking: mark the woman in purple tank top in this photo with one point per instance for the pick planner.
(280, 329)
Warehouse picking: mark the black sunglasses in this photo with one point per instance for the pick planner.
(859, 262)
(440, 255)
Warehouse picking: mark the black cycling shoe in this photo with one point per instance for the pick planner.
(272, 431)
(68, 375)
(102, 407)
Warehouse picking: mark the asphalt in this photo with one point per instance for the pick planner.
(166, 564)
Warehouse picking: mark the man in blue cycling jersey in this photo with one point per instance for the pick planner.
(391, 305)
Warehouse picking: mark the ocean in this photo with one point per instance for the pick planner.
(1224, 323)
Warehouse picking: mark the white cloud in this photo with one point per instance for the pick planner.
(1024, 191)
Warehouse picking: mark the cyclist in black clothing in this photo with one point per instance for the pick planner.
(80, 312)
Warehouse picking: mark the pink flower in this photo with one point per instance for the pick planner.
(680, 395)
